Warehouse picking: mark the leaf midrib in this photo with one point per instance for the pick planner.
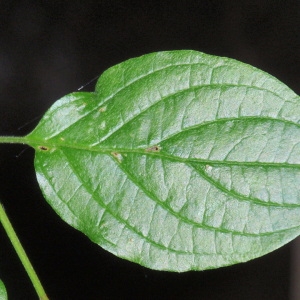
(52, 146)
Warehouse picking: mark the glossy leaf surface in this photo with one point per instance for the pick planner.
(178, 161)
(3, 293)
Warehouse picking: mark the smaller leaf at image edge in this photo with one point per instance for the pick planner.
(178, 161)
(3, 293)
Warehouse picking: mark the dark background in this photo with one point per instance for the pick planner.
(51, 48)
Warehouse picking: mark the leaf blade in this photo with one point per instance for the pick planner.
(152, 165)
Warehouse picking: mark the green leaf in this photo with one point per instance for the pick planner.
(178, 161)
(3, 293)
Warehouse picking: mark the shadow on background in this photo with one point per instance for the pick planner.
(51, 48)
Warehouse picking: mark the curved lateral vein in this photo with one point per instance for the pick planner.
(122, 221)
(139, 233)
(105, 100)
(186, 220)
(162, 99)
(240, 197)
(198, 87)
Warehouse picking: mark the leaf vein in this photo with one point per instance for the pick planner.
(239, 196)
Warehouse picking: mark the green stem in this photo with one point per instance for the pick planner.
(12, 140)
(21, 253)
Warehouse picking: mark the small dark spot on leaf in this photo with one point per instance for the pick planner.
(155, 148)
(43, 148)
(118, 156)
